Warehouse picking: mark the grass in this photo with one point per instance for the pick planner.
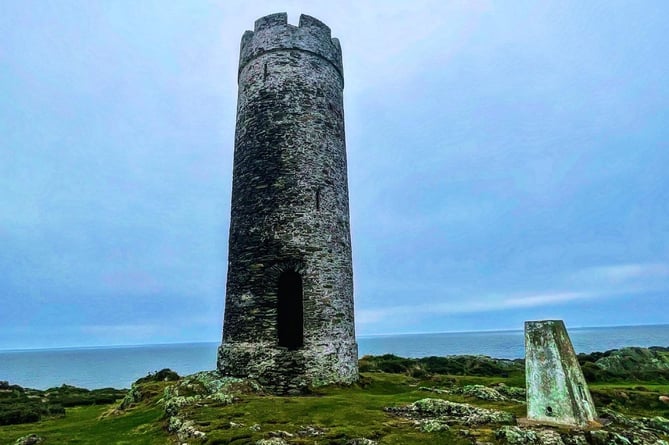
(84, 425)
(333, 415)
(340, 413)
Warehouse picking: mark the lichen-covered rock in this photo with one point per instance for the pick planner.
(133, 396)
(282, 434)
(657, 423)
(576, 438)
(639, 430)
(435, 390)
(184, 429)
(451, 412)
(512, 392)
(205, 387)
(513, 435)
(272, 441)
(549, 437)
(311, 431)
(432, 425)
(496, 393)
(603, 437)
(483, 393)
(635, 359)
(31, 439)
(361, 441)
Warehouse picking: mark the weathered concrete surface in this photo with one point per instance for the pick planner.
(556, 389)
(290, 211)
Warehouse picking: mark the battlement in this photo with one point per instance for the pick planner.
(273, 32)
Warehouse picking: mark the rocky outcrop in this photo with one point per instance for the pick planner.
(626, 360)
(207, 387)
(448, 413)
(620, 430)
(495, 393)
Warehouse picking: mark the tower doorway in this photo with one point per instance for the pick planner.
(290, 312)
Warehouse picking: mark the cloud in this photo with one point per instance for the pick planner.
(472, 304)
(619, 273)
(606, 282)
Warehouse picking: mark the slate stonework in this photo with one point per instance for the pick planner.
(290, 210)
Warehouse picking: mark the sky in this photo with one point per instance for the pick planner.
(507, 162)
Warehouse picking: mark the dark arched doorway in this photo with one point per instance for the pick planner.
(290, 315)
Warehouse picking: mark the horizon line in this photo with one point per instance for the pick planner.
(141, 345)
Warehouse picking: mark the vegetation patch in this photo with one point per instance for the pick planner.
(24, 405)
(414, 404)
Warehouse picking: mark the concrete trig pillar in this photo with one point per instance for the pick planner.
(557, 392)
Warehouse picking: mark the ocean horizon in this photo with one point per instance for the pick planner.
(119, 365)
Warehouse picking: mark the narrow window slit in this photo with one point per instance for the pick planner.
(318, 199)
(264, 72)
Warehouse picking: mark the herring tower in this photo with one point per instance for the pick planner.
(289, 301)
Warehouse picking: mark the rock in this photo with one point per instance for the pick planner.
(451, 412)
(496, 393)
(549, 437)
(483, 393)
(431, 425)
(361, 441)
(282, 434)
(205, 387)
(664, 399)
(131, 398)
(657, 423)
(575, 439)
(634, 359)
(30, 439)
(511, 392)
(184, 429)
(434, 390)
(513, 435)
(272, 441)
(311, 431)
(642, 429)
(602, 437)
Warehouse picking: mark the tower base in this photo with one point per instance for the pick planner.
(284, 371)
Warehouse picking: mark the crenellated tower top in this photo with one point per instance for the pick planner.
(273, 32)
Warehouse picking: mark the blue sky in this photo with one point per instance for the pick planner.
(507, 161)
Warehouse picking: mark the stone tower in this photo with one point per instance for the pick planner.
(556, 389)
(289, 300)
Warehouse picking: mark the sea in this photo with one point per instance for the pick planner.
(119, 366)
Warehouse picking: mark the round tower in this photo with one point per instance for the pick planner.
(289, 300)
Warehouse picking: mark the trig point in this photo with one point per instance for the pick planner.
(289, 300)
(556, 389)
